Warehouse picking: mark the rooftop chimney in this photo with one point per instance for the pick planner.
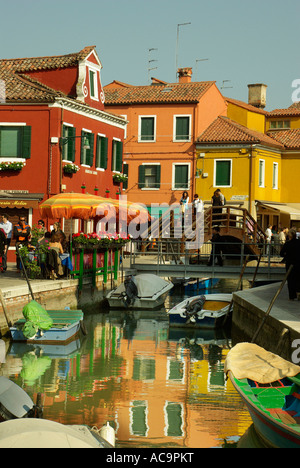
(184, 75)
(257, 95)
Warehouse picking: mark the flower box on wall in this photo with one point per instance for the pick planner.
(117, 178)
(99, 241)
(12, 166)
(70, 168)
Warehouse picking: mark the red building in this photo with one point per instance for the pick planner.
(52, 121)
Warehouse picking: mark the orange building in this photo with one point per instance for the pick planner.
(164, 120)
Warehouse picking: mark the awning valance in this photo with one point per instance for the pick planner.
(290, 209)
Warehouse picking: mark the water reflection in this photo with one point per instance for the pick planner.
(158, 387)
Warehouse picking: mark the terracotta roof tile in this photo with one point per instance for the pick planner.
(293, 110)
(226, 131)
(289, 138)
(156, 93)
(21, 87)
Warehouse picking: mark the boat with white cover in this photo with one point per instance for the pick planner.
(144, 291)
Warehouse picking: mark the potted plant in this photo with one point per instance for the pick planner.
(70, 168)
(32, 268)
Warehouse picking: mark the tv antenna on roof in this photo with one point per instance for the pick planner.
(223, 84)
(150, 61)
(199, 60)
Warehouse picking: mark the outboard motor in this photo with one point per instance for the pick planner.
(131, 291)
(15, 403)
(195, 306)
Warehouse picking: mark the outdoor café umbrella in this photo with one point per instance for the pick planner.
(86, 206)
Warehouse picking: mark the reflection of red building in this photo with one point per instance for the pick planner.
(52, 116)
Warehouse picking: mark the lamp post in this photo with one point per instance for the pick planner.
(177, 42)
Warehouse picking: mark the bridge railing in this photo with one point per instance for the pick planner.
(173, 252)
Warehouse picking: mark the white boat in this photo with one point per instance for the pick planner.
(144, 291)
(201, 311)
(42, 433)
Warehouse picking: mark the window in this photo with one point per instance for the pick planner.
(275, 124)
(181, 176)
(182, 128)
(147, 128)
(87, 148)
(117, 156)
(101, 152)
(15, 141)
(93, 84)
(223, 169)
(149, 176)
(68, 146)
(275, 176)
(261, 173)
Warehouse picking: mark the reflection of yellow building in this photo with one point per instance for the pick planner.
(254, 158)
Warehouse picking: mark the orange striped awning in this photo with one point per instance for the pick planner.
(85, 206)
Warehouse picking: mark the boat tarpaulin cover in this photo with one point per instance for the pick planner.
(250, 361)
(36, 318)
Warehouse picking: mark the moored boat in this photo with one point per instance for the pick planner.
(42, 433)
(201, 311)
(144, 291)
(66, 326)
(270, 388)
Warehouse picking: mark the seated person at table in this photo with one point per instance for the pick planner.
(54, 261)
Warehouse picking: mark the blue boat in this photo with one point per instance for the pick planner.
(274, 405)
(66, 326)
(201, 311)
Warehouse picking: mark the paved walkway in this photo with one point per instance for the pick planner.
(283, 310)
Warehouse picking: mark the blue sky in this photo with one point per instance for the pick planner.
(254, 41)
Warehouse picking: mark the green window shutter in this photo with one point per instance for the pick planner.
(71, 144)
(182, 128)
(26, 142)
(92, 83)
(147, 128)
(119, 156)
(125, 172)
(181, 176)
(101, 151)
(223, 173)
(141, 176)
(157, 181)
(104, 152)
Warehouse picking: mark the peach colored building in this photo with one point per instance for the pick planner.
(164, 121)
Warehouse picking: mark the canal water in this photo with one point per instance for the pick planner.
(158, 387)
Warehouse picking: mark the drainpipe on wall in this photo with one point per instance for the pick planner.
(250, 179)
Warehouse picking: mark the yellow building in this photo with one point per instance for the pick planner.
(254, 158)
